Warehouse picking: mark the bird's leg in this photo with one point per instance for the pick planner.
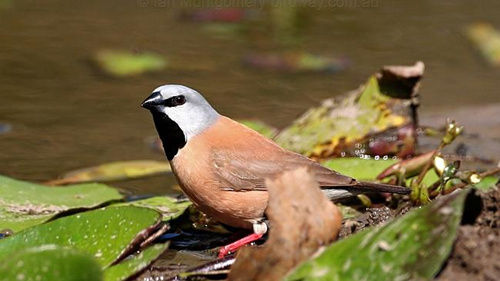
(259, 229)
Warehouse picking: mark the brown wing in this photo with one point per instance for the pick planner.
(238, 173)
(246, 158)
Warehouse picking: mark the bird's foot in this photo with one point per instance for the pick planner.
(233, 247)
(259, 230)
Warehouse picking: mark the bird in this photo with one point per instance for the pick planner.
(221, 165)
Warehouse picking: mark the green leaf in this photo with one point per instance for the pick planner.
(430, 178)
(49, 263)
(487, 183)
(369, 169)
(103, 233)
(411, 248)
(487, 39)
(361, 169)
(260, 127)
(134, 264)
(122, 63)
(169, 207)
(115, 171)
(24, 204)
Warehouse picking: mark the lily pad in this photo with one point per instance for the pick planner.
(260, 127)
(169, 207)
(49, 263)
(106, 234)
(134, 264)
(115, 171)
(369, 169)
(361, 169)
(410, 248)
(24, 204)
(122, 63)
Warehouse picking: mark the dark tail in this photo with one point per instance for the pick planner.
(382, 187)
(364, 187)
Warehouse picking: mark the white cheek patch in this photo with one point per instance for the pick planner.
(192, 118)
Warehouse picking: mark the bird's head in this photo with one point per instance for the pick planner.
(179, 113)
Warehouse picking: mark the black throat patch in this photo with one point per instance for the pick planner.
(170, 134)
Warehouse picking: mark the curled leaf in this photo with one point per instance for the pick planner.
(373, 120)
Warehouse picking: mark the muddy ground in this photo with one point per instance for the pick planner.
(476, 253)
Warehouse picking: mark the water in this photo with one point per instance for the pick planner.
(65, 114)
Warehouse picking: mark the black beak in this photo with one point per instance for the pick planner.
(153, 100)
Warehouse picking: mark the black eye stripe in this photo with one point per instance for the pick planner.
(175, 101)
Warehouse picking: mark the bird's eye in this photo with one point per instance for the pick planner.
(175, 101)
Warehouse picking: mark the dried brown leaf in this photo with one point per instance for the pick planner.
(302, 220)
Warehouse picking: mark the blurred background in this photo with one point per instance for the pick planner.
(63, 106)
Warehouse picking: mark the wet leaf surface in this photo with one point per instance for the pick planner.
(169, 207)
(361, 169)
(302, 220)
(24, 204)
(134, 264)
(369, 169)
(115, 171)
(106, 234)
(49, 263)
(412, 247)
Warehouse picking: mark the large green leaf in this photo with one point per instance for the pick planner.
(410, 248)
(104, 233)
(369, 169)
(169, 207)
(50, 263)
(24, 204)
(134, 264)
(361, 169)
